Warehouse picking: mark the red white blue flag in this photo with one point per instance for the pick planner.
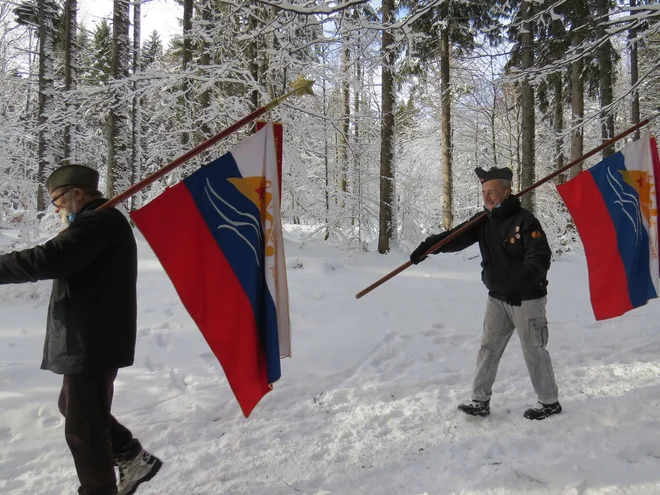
(218, 235)
(615, 208)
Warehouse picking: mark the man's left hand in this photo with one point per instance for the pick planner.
(513, 297)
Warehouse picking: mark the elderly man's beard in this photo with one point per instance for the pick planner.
(66, 213)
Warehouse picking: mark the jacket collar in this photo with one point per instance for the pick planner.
(92, 205)
(508, 207)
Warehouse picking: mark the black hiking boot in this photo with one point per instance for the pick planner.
(542, 411)
(476, 408)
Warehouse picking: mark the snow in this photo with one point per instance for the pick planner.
(367, 404)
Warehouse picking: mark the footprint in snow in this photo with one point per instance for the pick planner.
(178, 380)
(151, 365)
(163, 339)
(50, 421)
(144, 332)
(210, 359)
(46, 417)
(5, 434)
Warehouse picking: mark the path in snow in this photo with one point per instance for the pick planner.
(367, 404)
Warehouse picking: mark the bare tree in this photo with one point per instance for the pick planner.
(528, 173)
(136, 141)
(605, 68)
(118, 136)
(578, 21)
(634, 76)
(70, 68)
(186, 61)
(447, 180)
(388, 101)
(45, 152)
(206, 59)
(345, 117)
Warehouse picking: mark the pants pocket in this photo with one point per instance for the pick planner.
(538, 330)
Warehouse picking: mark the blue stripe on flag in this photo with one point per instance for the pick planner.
(623, 205)
(235, 223)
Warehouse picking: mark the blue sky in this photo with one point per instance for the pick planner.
(162, 15)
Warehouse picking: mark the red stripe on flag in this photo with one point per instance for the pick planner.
(208, 288)
(608, 283)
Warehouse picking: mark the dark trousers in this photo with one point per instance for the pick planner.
(96, 439)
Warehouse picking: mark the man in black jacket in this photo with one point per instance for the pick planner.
(515, 259)
(91, 328)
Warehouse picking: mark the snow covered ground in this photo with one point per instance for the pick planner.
(367, 404)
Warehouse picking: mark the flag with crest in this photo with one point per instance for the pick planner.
(218, 235)
(614, 205)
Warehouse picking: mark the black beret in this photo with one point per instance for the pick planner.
(73, 175)
(493, 173)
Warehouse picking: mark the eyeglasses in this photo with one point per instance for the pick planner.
(54, 200)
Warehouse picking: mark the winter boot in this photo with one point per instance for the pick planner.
(476, 408)
(133, 472)
(542, 411)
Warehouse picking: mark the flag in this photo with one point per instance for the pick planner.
(614, 205)
(218, 235)
(278, 131)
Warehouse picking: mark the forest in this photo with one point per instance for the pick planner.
(410, 97)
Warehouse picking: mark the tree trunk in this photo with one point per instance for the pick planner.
(186, 60)
(528, 129)
(604, 55)
(325, 156)
(634, 76)
(45, 155)
(118, 168)
(388, 99)
(577, 99)
(70, 69)
(559, 125)
(252, 56)
(493, 130)
(136, 142)
(357, 151)
(31, 55)
(345, 120)
(206, 60)
(447, 182)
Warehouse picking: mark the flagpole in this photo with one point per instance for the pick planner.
(478, 219)
(299, 87)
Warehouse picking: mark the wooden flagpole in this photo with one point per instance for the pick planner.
(478, 219)
(300, 87)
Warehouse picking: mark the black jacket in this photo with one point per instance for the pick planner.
(92, 316)
(514, 250)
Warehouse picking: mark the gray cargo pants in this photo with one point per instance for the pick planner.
(499, 323)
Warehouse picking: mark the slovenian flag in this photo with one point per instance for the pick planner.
(615, 208)
(218, 235)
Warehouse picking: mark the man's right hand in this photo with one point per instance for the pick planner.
(417, 256)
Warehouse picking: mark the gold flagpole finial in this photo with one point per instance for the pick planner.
(303, 86)
(299, 87)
